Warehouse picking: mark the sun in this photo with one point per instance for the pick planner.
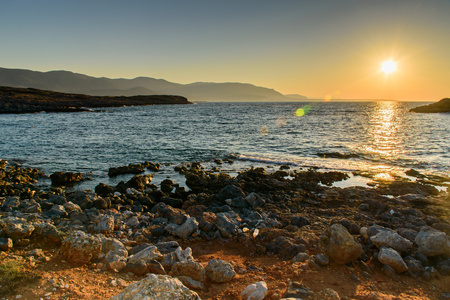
(388, 66)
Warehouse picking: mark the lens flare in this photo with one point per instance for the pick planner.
(302, 111)
(281, 122)
(264, 130)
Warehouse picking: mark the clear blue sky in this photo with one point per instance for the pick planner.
(315, 48)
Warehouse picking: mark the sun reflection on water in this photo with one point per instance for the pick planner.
(383, 140)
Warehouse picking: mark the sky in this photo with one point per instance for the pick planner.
(318, 48)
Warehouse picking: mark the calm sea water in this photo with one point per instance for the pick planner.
(378, 136)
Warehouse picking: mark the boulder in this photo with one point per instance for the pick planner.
(189, 268)
(255, 291)
(79, 248)
(219, 270)
(6, 244)
(17, 231)
(392, 258)
(432, 242)
(187, 228)
(157, 287)
(255, 200)
(227, 227)
(339, 244)
(392, 240)
(230, 192)
(104, 224)
(65, 178)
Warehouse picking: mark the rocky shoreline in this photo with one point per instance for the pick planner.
(442, 106)
(164, 235)
(28, 100)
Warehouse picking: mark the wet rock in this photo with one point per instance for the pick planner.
(6, 244)
(392, 258)
(339, 244)
(65, 178)
(79, 248)
(391, 239)
(167, 186)
(219, 270)
(432, 242)
(189, 268)
(187, 228)
(130, 169)
(255, 291)
(152, 166)
(157, 287)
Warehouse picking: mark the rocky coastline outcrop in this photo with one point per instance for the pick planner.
(28, 100)
(295, 215)
(443, 106)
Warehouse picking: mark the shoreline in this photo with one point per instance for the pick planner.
(281, 218)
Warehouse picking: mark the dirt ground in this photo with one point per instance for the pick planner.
(56, 279)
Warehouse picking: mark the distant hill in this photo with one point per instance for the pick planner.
(295, 97)
(68, 82)
(15, 100)
(443, 106)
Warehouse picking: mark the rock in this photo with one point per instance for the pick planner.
(187, 228)
(130, 169)
(104, 190)
(322, 260)
(115, 246)
(11, 203)
(299, 221)
(138, 267)
(146, 255)
(220, 271)
(339, 245)
(189, 268)
(445, 296)
(255, 200)
(167, 247)
(328, 294)
(85, 199)
(37, 253)
(17, 231)
(6, 244)
(155, 267)
(65, 178)
(444, 267)
(237, 202)
(167, 186)
(230, 192)
(70, 206)
(79, 248)
(157, 287)
(432, 242)
(115, 262)
(104, 224)
(255, 291)
(49, 232)
(226, 226)
(138, 182)
(298, 290)
(392, 240)
(301, 257)
(191, 283)
(392, 258)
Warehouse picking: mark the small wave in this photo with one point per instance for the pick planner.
(337, 155)
(266, 160)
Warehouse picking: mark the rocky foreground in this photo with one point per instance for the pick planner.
(23, 100)
(254, 236)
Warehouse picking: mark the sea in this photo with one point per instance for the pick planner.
(367, 140)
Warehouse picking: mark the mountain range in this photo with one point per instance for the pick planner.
(69, 82)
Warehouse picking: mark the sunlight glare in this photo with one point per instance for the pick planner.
(388, 66)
